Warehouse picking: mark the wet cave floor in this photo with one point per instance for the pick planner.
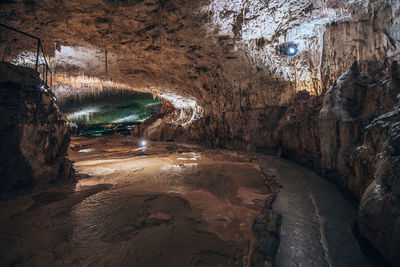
(162, 204)
(169, 204)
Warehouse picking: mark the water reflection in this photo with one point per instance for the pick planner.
(109, 111)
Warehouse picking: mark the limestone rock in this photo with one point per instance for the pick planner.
(379, 212)
(34, 137)
(223, 55)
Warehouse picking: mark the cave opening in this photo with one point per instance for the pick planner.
(199, 133)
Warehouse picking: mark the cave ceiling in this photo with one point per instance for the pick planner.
(198, 48)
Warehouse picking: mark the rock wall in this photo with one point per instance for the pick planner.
(34, 137)
(370, 38)
(379, 212)
(243, 105)
(350, 135)
(223, 54)
(160, 126)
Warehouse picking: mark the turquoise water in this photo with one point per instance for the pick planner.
(109, 111)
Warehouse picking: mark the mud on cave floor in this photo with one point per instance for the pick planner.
(163, 204)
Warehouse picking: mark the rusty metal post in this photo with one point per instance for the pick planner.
(37, 55)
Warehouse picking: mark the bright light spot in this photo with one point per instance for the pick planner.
(143, 143)
(292, 50)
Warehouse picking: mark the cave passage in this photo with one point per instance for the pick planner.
(318, 220)
(140, 204)
(169, 133)
(165, 204)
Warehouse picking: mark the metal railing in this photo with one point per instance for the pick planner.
(43, 68)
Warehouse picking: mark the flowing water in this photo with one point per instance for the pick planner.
(317, 220)
(111, 110)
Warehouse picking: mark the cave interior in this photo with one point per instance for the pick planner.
(200, 133)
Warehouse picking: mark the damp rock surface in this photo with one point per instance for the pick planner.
(223, 55)
(171, 204)
(34, 137)
(379, 213)
(162, 204)
(351, 136)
